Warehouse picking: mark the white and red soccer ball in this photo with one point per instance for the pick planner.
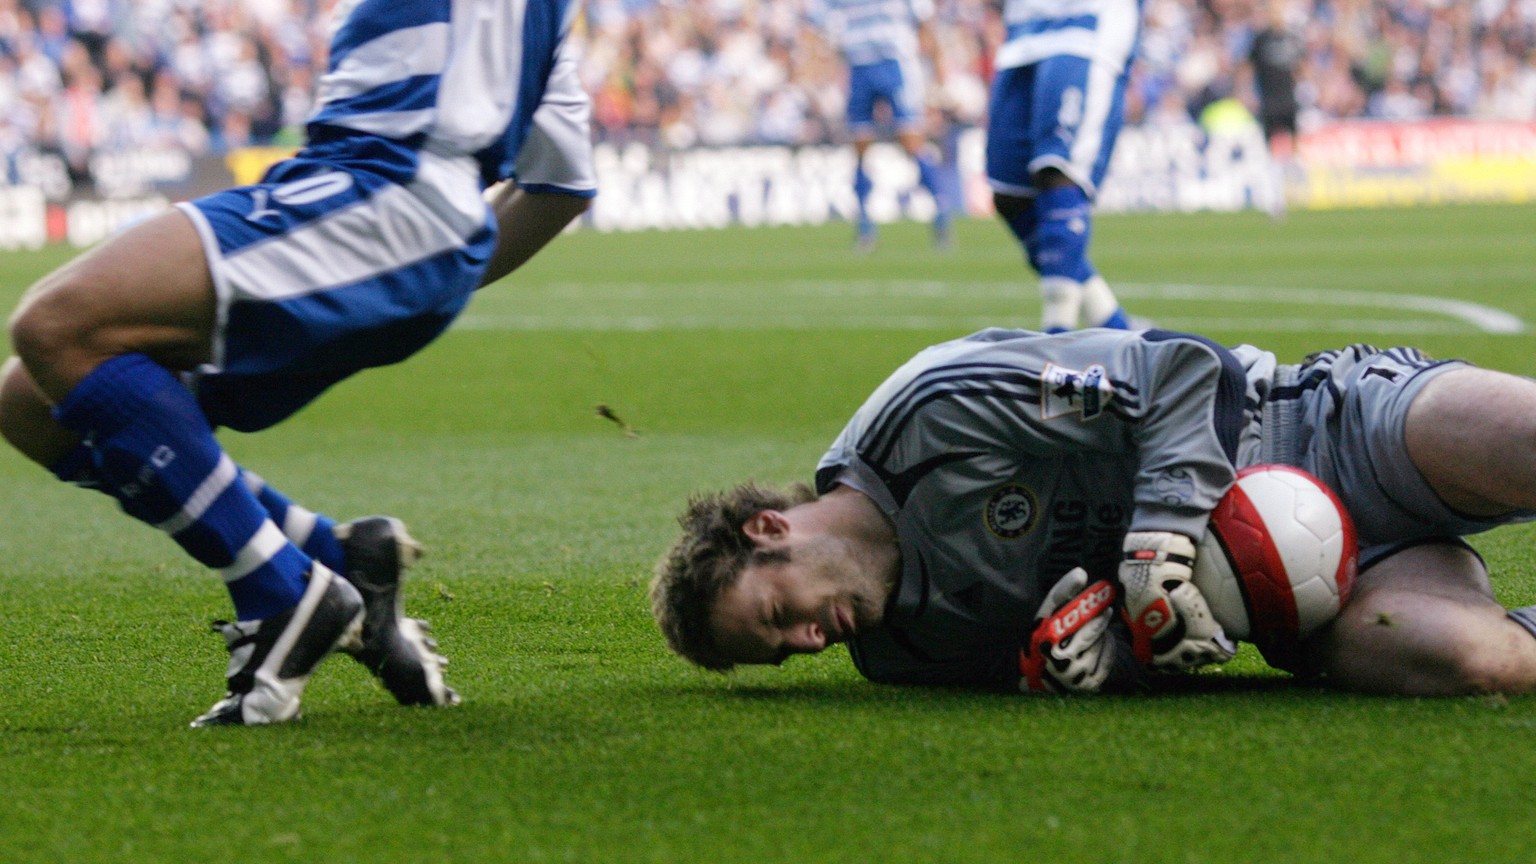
(1278, 558)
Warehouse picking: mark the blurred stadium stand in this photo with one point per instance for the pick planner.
(105, 103)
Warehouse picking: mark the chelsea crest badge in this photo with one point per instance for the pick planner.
(1012, 511)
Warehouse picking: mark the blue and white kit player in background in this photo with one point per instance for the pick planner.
(1055, 110)
(884, 44)
(239, 308)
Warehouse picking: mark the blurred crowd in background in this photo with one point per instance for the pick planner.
(200, 76)
(207, 76)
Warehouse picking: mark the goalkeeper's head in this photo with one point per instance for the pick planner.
(707, 560)
(762, 574)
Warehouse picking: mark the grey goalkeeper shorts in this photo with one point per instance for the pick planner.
(1341, 416)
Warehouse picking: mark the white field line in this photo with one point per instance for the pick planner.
(730, 306)
(1485, 318)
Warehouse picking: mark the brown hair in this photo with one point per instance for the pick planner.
(707, 559)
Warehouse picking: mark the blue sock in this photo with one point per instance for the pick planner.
(1117, 321)
(79, 468)
(154, 452)
(1063, 227)
(862, 186)
(928, 178)
(314, 533)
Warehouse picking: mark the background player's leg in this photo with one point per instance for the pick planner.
(1101, 306)
(1078, 107)
(29, 423)
(146, 290)
(1060, 299)
(1059, 248)
(923, 155)
(1278, 144)
(155, 453)
(862, 187)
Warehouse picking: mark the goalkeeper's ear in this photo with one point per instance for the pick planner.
(766, 527)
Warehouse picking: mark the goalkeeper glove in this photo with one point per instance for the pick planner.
(1171, 625)
(1071, 650)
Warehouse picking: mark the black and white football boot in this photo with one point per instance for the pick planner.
(399, 651)
(270, 660)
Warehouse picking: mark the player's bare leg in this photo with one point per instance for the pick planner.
(1424, 622)
(145, 291)
(1472, 434)
(26, 417)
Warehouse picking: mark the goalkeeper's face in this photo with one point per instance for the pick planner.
(818, 597)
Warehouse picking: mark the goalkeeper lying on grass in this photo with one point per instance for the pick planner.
(952, 515)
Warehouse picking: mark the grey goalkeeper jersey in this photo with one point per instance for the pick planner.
(1008, 457)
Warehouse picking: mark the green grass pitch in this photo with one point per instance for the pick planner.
(732, 354)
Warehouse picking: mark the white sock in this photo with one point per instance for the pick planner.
(1098, 301)
(1275, 205)
(1060, 300)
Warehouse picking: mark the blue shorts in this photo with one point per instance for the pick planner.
(321, 272)
(1341, 416)
(1063, 112)
(887, 81)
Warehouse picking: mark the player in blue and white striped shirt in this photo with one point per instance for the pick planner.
(1055, 110)
(239, 308)
(883, 42)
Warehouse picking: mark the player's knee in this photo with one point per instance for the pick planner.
(42, 327)
(52, 330)
(1471, 663)
(1407, 644)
